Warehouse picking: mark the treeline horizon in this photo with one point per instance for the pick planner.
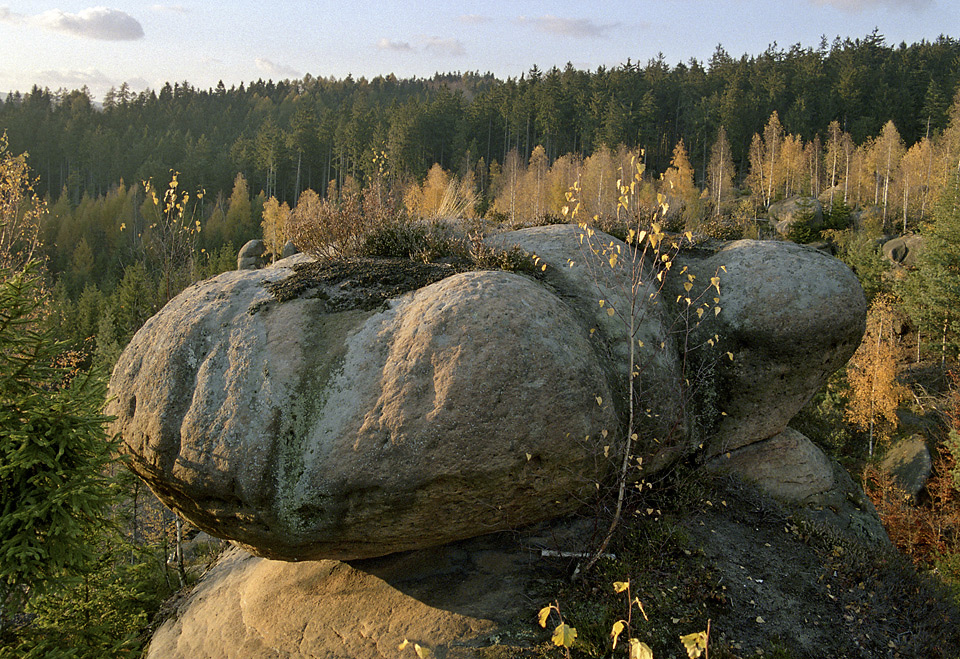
(293, 135)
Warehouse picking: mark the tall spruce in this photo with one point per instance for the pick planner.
(932, 291)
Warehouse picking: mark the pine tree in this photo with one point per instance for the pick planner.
(53, 447)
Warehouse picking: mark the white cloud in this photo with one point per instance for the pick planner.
(100, 23)
(475, 19)
(437, 46)
(446, 47)
(581, 28)
(273, 70)
(863, 5)
(174, 9)
(395, 46)
(72, 78)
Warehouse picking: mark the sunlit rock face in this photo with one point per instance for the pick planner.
(465, 407)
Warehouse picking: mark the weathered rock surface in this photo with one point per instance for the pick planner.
(268, 409)
(256, 608)
(910, 463)
(478, 598)
(796, 212)
(251, 255)
(788, 466)
(460, 409)
(584, 280)
(903, 250)
(790, 316)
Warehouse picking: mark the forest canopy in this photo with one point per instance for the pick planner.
(291, 135)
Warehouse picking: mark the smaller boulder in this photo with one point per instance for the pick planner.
(252, 255)
(910, 463)
(289, 249)
(796, 213)
(788, 466)
(903, 250)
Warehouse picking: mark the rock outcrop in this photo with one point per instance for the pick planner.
(910, 463)
(399, 415)
(304, 427)
(453, 599)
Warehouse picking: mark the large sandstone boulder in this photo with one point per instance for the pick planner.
(468, 406)
(273, 409)
(790, 316)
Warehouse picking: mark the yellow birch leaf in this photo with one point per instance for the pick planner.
(694, 644)
(620, 586)
(618, 628)
(544, 614)
(687, 285)
(403, 646)
(640, 650)
(610, 311)
(422, 652)
(564, 635)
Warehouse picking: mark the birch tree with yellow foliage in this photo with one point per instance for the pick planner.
(872, 373)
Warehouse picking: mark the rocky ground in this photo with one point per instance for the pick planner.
(772, 581)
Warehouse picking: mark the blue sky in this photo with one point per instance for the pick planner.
(70, 44)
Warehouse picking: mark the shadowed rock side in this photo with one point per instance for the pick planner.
(453, 599)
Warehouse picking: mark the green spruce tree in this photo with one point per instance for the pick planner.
(932, 291)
